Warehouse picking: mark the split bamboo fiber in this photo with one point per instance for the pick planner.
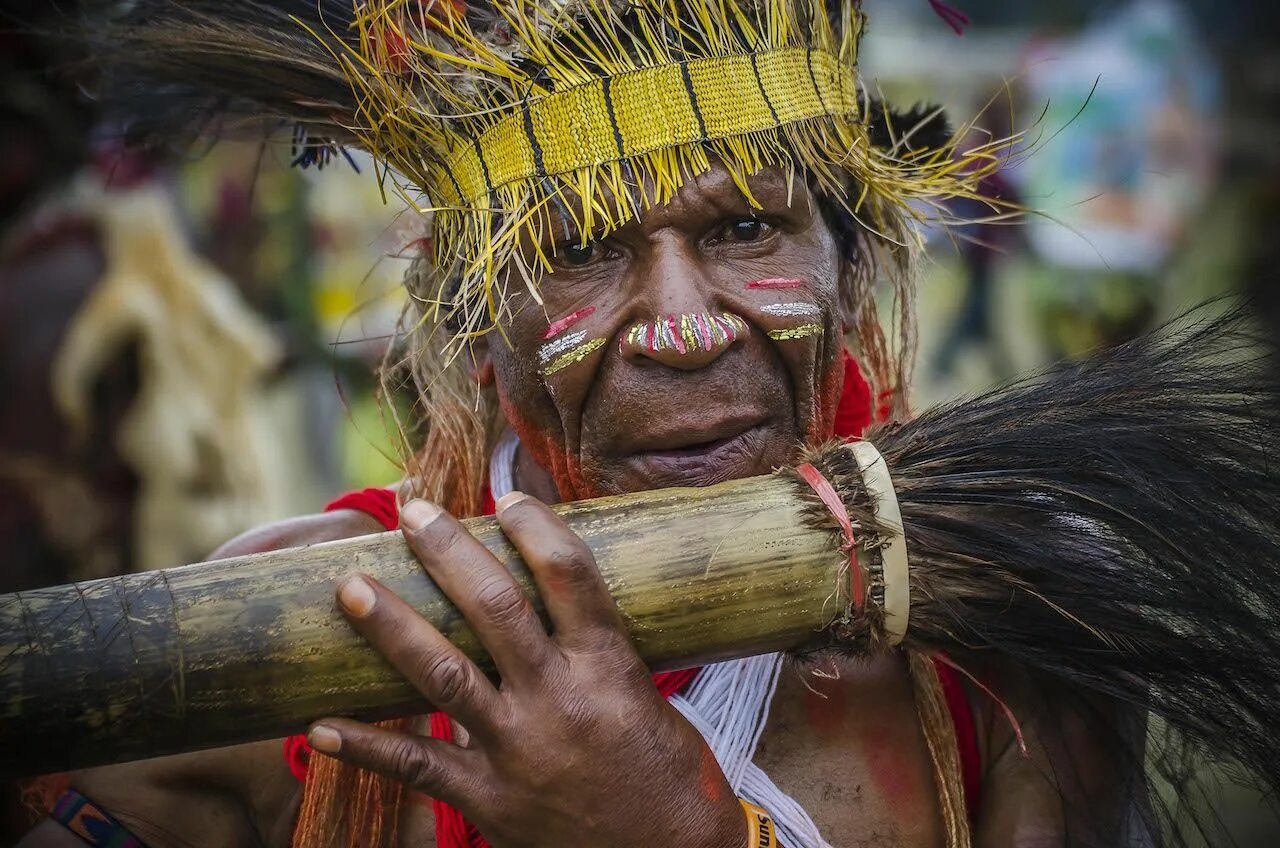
(254, 647)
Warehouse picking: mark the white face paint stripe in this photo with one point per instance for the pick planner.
(792, 310)
(554, 348)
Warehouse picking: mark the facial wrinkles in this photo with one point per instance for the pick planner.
(585, 391)
(801, 314)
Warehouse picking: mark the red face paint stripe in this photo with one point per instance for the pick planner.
(558, 327)
(704, 332)
(675, 335)
(777, 283)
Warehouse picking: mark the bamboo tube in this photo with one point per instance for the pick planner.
(253, 647)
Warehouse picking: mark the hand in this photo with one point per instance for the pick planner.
(575, 747)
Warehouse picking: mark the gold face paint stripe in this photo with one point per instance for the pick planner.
(572, 357)
(804, 331)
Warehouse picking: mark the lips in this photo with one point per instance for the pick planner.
(684, 437)
(700, 463)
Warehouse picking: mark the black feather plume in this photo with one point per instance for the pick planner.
(1113, 526)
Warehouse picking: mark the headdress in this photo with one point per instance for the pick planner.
(488, 116)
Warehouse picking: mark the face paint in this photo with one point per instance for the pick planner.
(803, 331)
(803, 310)
(777, 283)
(798, 309)
(552, 349)
(559, 353)
(572, 355)
(558, 327)
(697, 331)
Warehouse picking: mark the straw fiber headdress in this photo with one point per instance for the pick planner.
(493, 114)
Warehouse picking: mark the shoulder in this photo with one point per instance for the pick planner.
(1059, 761)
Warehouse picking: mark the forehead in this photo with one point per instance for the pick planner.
(715, 193)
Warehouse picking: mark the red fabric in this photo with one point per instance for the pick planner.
(853, 415)
(966, 736)
(377, 503)
(297, 755)
(853, 412)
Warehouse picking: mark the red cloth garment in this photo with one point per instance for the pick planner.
(853, 415)
(376, 503)
(966, 735)
(853, 411)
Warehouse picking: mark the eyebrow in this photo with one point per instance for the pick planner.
(716, 186)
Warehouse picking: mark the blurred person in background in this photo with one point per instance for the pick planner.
(1124, 178)
(129, 369)
(981, 246)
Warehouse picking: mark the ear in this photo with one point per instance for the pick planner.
(480, 362)
(856, 267)
(851, 293)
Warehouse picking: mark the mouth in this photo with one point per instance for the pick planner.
(682, 436)
(701, 456)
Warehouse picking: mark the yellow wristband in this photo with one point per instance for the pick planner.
(760, 830)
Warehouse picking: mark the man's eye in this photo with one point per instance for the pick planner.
(577, 254)
(746, 230)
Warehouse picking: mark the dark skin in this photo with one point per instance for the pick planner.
(627, 418)
(575, 746)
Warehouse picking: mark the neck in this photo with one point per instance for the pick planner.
(532, 479)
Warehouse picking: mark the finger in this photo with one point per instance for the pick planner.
(575, 595)
(441, 672)
(431, 766)
(480, 586)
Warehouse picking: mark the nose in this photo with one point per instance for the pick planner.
(687, 341)
(686, 330)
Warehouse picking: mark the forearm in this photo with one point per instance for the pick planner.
(217, 797)
(50, 834)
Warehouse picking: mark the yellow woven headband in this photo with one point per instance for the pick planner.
(650, 109)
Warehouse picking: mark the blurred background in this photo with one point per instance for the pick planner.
(188, 343)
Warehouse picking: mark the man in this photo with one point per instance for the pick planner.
(670, 311)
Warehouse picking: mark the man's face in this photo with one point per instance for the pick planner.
(698, 344)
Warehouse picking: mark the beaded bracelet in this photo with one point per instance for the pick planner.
(94, 825)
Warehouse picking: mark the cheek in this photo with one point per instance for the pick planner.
(532, 414)
(827, 403)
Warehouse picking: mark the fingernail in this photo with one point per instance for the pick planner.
(509, 499)
(418, 514)
(326, 740)
(357, 597)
